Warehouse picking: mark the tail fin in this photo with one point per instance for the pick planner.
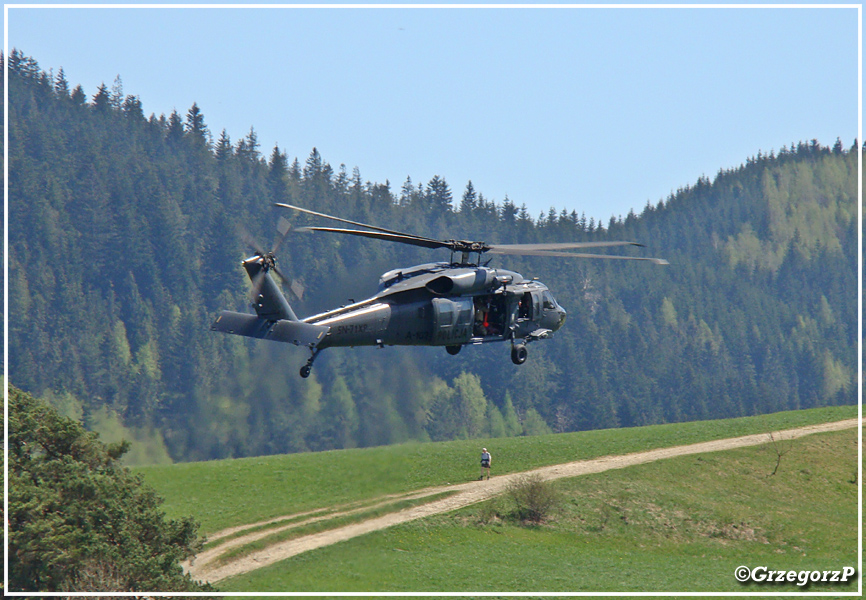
(267, 299)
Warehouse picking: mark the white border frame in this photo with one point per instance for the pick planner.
(765, 593)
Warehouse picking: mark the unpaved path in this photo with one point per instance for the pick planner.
(205, 569)
(291, 522)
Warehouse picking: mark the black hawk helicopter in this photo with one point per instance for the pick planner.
(450, 304)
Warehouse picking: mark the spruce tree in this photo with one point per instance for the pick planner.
(80, 522)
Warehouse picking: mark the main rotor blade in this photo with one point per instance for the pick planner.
(402, 238)
(658, 261)
(523, 248)
(341, 220)
(553, 249)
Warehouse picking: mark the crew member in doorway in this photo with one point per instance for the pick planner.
(482, 310)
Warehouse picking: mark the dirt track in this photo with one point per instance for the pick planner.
(203, 567)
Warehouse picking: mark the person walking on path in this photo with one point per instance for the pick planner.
(485, 463)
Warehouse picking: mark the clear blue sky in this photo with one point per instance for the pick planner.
(593, 109)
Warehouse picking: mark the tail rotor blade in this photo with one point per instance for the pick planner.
(284, 227)
(280, 274)
(297, 288)
(250, 241)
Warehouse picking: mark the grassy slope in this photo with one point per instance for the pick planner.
(682, 524)
(225, 493)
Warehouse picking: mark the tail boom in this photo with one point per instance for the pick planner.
(283, 330)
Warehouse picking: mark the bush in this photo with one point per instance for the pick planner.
(534, 498)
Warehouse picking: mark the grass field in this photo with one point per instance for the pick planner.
(682, 524)
(227, 493)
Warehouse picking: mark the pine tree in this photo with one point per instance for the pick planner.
(80, 522)
(407, 192)
(469, 201)
(438, 196)
(116, 97)
(195, 126)
(133, 108)
(78, 96)
(278, 173)
(224, 146)
(102, 99)
(61, 86)
(248, 147)
(175, 128)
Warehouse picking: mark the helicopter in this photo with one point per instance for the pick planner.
(452, 304)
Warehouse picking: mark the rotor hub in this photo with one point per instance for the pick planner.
(269, 261)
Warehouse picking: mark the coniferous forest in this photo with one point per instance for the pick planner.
(126, 234)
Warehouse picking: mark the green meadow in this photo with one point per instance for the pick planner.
(681, 524)
(227, 493)
(678, 525)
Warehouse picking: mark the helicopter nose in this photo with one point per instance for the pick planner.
(561, 314)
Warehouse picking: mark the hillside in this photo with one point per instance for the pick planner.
(626, 531)
(124, 244)
(707, 492)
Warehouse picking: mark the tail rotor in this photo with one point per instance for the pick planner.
(267, 261)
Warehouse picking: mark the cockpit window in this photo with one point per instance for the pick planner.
(548, 301)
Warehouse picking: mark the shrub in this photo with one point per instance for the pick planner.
(534, 498)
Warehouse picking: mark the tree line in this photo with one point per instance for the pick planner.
(126, 240)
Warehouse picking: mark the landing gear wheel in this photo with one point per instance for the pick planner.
(452, 350)
(305, 370)
(518, 354)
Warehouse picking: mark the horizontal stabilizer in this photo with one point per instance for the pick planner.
(294, 332)
(241, 324)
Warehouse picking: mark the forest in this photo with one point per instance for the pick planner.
(126, 236)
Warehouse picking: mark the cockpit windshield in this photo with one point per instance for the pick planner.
(548, 301)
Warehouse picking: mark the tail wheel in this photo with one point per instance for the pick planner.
(518, 354)
(452, 350)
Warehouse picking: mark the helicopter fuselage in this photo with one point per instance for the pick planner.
(435, 304)
(440, 304)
